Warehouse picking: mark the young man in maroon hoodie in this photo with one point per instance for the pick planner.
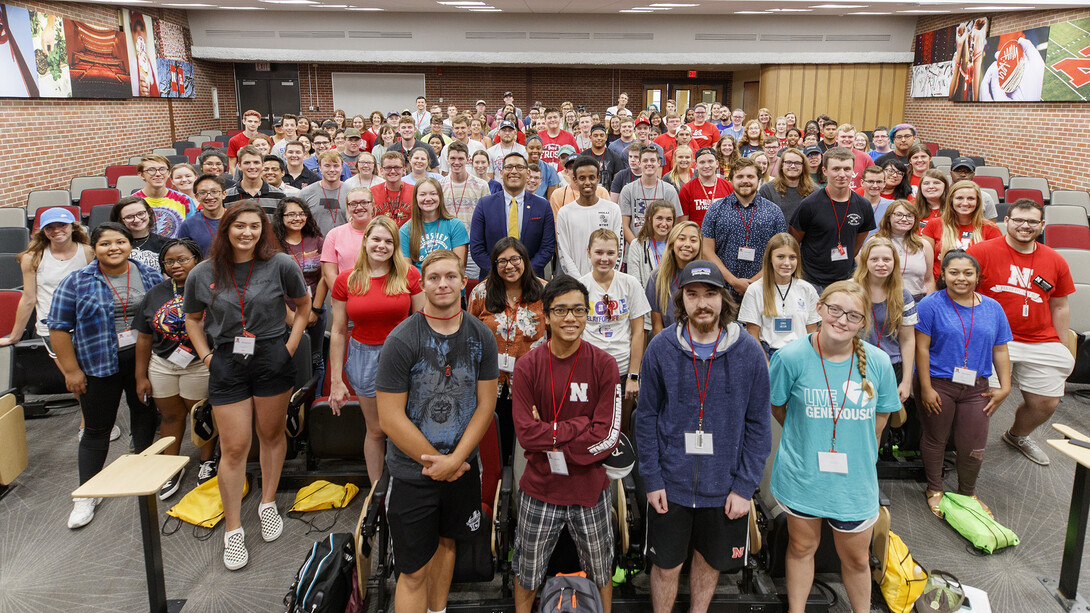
(567, 416)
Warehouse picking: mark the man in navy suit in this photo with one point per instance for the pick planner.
(531, 221)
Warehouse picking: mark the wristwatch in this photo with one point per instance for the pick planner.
(632, 376)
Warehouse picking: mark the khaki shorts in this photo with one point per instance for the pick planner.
(1040, 368)
(168, 379)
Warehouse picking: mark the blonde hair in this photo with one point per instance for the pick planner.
(669, 266)
(951, 229)
(675, 176)
(416, 223)
(768, 275)
(397, 280)
(893, 287)
(860, 295)
(605, 234)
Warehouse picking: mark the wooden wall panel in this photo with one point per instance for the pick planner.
(865, 95)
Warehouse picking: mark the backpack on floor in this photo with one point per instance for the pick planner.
(324, 581)
(969, 519)
(904, 579)
(568, 593)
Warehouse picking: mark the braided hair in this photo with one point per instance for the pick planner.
(855, 291)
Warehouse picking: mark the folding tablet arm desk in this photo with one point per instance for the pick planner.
(1065, 590)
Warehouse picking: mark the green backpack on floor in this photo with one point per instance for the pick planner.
(969, 519)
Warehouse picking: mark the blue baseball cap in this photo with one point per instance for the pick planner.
(701, 271)
(56, 215)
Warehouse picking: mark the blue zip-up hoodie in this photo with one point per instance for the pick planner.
(736, 412)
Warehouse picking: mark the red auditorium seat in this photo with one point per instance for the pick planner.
(1063, 236)
(993, 182)
(192, 154)
(95, 197)
(1033, 194)
(120, 170)
(933, 147)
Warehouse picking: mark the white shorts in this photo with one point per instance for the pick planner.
(168, 379)
(1040, 368)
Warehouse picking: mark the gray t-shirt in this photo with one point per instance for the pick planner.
(328, 206)
(788, 203)
(128, 292)
(440, 374)
(635, 198)
(270, 282)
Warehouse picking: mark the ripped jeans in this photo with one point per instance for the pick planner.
(963, 413)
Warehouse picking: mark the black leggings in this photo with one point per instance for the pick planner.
(99, 405)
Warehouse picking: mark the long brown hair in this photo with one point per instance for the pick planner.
(668, 265)
(40, 242)
(922, 205)
(416, 223)
(895, 298)
(806, 182)
(397, 280)
(223, 254)
(855, 291)
(647, 230)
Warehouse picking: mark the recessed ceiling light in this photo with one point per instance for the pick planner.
(242, 8)
(789, 10)
(486, 10)
(459, 3)
(924, 11)
(188, 5)
(288, 1)
(870, 13)
(330, 6)
(642, 12)
(839, 6)
(750, 12)
(652, 8)
(999, 8)
(673, 5)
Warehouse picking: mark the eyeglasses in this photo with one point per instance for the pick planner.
(156, 171)
(393, 168)
(1033, 223)
(181, 261)
(295, 215)
(791, 163)
(854, 317)
(514, 260)
(903, 216)
(358, 204)
(904, 137)
(514, 167)
(134, 217)
(893, 171)
(579, 311)
(207, 193)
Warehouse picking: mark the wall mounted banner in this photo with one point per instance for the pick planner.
(1014, 66)
(1067, 63)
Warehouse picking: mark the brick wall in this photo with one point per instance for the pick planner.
(595, 88)
(46, 142)
(1036, 139)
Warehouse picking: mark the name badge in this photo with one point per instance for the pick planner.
(1041, 283)
(126, 339)
(833, 462)
(507, 363)
(746, 254)
(839, 254)
(557, 464)
(244, 345)
(781, 324)
(181, 357)
(1025, 310)
(699, 443)
(964, 376)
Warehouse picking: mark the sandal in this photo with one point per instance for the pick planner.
(985, 507)
(933, 499)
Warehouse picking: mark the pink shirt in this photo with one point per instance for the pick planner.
(342, 246)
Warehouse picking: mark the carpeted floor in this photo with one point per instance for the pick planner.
(46, 567)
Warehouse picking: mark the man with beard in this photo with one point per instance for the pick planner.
(1032, 282)
(700, 500)
(737, 228)
(436, 394)
(567, 415)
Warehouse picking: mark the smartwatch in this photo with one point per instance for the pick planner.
(633, 376)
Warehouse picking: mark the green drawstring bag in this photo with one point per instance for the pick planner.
(969, 519)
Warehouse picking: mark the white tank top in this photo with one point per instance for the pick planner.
(51, 272)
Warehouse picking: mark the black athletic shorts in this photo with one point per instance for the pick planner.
(723, 542)
(269, 372)
(420, 512)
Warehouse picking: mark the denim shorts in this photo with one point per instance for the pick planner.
(361, 366)
(836, 524)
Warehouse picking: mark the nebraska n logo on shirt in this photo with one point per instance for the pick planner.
(1019, 283)
(578, 392)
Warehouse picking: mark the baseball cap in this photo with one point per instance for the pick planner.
(56, 215)
(965, 162)
(507, 123)
(508, 95)
(643, 121)
(352, 133)
(481, 102)
(566, 150)
(277, 122)
(701, 271)
(811, 150)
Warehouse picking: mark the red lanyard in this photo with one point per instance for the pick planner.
(655, 250)
(552, 384)
(209, 226)
(336, 202)
(457, 202)
(702, 393)
(128, 291)
(242, 294)
(654, 194)
(839, 224)
(746, 224)
(844, 399)
(878, 332)
(299, 259)
(710, 196)
(968, 335)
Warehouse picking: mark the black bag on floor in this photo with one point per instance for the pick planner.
(1081, 374)
(570, 593)
(324, 581)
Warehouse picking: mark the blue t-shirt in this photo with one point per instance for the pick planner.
(548, 178)
(939, 320)
(201, 229)
(798, 381)
(890, 341)
(438, 234)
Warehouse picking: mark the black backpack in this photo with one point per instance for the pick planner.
(324, 581)
(570, 593)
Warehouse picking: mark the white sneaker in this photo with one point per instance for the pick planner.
(272, 525)
(235, 555)
(83, 511)
(115, 433)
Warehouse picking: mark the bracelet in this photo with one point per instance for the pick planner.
(317, 310)
(205, 356)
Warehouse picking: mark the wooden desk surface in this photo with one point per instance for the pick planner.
(1079, 454)
(134, 475)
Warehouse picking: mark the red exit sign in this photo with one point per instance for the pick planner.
(692, 74)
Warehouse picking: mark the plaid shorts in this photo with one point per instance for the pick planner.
(539, 525)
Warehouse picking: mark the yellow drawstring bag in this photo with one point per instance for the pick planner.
(202, 507)
(319, 496)
(904, 579)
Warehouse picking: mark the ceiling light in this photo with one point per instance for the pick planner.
(652, 8)
(366, 8)
(870, 13)
(459, 3)
(288, 1)
(924, 11)
(634, 11)
(486, 10)
(750, 12)
(188, 6)
(242, 8)
(330, 6)
(789, 10)
(839, 6)
(673, 5)
(999, 8)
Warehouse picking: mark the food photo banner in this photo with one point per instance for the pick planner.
(47, 56)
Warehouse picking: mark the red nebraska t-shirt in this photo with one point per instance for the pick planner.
(704, 136)
(696, 198)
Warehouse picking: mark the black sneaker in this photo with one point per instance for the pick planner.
(171, 487)
(207, 470)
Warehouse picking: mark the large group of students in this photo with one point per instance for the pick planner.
(706, 274)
